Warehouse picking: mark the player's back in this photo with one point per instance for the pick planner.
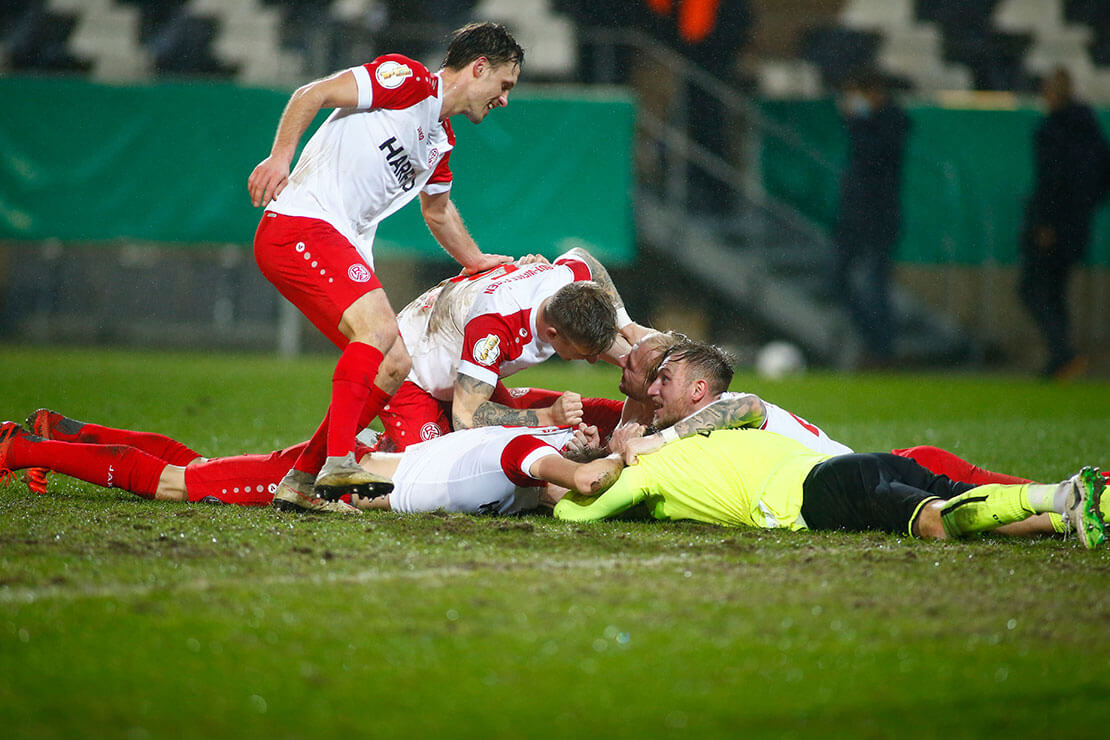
(482, 470)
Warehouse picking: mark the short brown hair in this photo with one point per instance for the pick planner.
(583, 313)
(490, 40)
(708, 360)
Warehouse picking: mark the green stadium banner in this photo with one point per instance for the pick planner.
(87, 162)
(968, 174)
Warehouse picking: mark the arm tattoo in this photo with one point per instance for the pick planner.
(600, 275)
(729, 413)
(487, 413)
(491, 414)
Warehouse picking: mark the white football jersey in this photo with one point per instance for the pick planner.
(483, 326)
(781, 421)
(483, 470)
(366, 162)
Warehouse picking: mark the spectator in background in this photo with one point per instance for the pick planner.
(710, 34)
(1071, 176)
(870, 212)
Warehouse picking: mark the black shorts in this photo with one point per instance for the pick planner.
(871, 490)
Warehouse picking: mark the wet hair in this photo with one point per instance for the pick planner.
(707, 360)
(490, 40)
(664, 341)
(583, 313)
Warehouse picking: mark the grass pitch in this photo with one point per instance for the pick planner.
(121, 617)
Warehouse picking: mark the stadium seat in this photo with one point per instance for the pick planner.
(183, 46)
(838, 52)
(38, 39)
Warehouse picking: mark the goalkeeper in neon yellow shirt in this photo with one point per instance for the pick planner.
(756, 478)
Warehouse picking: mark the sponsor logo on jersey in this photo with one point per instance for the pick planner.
(520, 275)
(398, 161)
(430, 430)
(359, 273)
(391, 74)
(518, 392)
(419, 133)
(487, 350)
(432, 155)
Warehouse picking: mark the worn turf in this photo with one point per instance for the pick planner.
(121, 617)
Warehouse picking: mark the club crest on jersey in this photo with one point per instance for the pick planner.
(430, 430)
(518, 392)
(392, 74)
(358, 273)
(487, 350)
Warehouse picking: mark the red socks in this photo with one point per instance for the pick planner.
(111, 466)
(943, 462)
(353, 398)
(158, 445)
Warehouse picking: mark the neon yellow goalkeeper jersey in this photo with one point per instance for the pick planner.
(734, 477)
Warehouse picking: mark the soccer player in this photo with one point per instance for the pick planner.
(388, 140)
(485, 470)
(758, 478)
(467, 333)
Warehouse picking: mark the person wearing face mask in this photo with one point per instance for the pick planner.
(870, 211)
(1071, 161)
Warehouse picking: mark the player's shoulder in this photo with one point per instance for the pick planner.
(394, 71)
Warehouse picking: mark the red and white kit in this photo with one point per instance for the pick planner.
(781, 421)
(484, 470)
(393, 146)
(315, 240)
(482, 326)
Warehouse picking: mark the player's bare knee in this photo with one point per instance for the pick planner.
(928, 524)
(395, 367)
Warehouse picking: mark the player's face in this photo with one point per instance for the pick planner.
(570, 351)
(635, 367)
(670, 392)
(491, 88)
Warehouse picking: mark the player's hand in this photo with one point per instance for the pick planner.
(267, 180)
(628, 441)
(567, 410)
(486, 262)
(533, 259)
(585, 445)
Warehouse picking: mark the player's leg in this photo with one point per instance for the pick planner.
(871, 491)
(943, 462)
(988, 507)
(248, 480)
(321, 273)
(110, 466)
(52, 425)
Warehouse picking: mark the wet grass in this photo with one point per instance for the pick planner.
(127, 618)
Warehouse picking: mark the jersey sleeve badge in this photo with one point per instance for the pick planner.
(487, 350)
(391, 74)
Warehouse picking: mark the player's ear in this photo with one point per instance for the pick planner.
(479, 66)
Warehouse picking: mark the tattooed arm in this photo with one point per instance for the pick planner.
(472, 407)
(731, 412)
(630, 331)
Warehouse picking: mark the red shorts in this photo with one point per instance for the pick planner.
(413, 415)
(314, 267)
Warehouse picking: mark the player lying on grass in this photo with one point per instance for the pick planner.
(759, 478)
(738, 410)
(486, 470)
